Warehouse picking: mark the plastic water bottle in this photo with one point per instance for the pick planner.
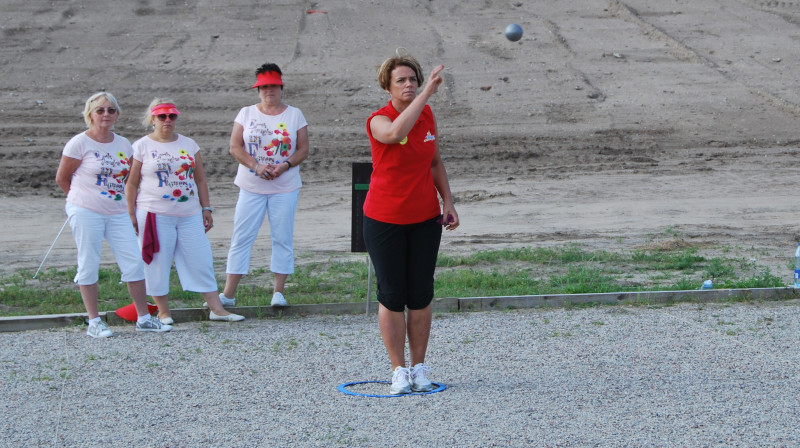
(797, 267)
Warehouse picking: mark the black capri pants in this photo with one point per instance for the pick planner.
(404, 256)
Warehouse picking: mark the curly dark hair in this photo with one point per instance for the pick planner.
(268, 67)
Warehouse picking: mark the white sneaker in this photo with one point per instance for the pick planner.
(153, 324)
(99, 330)
(420, 382)
(278, 300)
(225, 301)
(401, 381)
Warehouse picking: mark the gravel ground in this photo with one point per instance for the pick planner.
(684, 375)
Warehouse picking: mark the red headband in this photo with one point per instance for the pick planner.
(268, 78)
(164, 108)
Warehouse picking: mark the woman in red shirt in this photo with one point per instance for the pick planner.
(403, 220)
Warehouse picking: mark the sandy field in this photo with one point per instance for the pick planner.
(616, 125)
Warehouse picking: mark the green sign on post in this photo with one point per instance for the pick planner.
(362, 172)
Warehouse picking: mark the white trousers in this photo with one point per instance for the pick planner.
(250, 211)
(184, 240)
(89, 228)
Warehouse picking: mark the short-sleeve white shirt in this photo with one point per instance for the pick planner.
(270, 140)
(99, 182)
(167, 186)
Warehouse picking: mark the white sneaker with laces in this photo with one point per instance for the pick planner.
(99, 330)
(401, 381)
(153, 324)
(278, 300)
(419, 380)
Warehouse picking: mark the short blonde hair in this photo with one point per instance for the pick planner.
(148, 118)
(93, 101)
(402, 58)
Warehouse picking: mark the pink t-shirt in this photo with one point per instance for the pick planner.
(99, 182)
(167, 186)
(270, 140)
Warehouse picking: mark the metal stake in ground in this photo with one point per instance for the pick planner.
(51, 247)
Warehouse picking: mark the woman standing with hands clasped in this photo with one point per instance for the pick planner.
(402, 217)
(269, 140)
(169, 206)
(92, 173)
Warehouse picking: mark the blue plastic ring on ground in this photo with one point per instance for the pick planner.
(438, 387)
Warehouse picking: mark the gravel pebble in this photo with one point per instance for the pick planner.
(684, 375)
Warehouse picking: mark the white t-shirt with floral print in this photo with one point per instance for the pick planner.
(167, 186)
(99, 182)
(270, 140)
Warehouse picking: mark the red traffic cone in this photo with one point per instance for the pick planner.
(128, 312)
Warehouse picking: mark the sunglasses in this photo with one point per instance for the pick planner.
(163, 117)
(101, 111)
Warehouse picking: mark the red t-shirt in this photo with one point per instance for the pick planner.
(401, 190)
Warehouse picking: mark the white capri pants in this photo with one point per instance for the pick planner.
(89, 228)
(184, 240)
(250, 211)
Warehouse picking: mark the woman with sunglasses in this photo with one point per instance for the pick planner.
(269, 140)
(92, 172)
(169, 206)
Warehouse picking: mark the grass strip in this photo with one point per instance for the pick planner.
(568, 269)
